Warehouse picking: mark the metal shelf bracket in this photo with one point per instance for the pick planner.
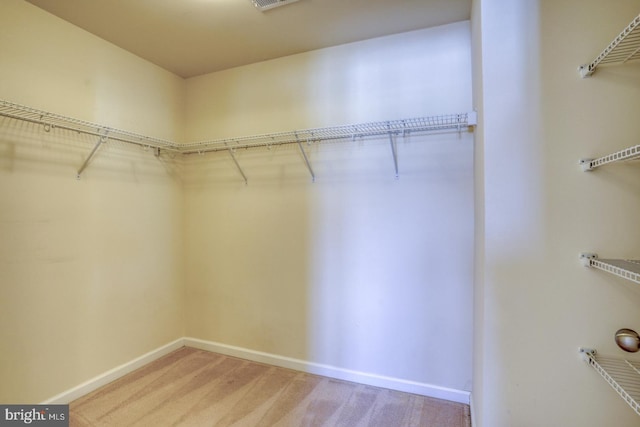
(472, 118)
(586, 352)
(587, 257)
(586, 165)
(101, 140)
(585, 70)
(233, 156)
(394, 151)
(306, 159)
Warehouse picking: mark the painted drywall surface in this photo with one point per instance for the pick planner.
(357, 270)
(393, 77)
(74, 73)
(476, 399)
(89, 270)
(539, 304)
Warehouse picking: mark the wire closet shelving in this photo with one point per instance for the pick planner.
(625, 47)
(626, 268)
(631, 153)
(391, 128)
(622, 375)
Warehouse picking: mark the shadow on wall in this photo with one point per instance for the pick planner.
(358, 270)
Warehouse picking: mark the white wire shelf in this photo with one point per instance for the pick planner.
(625, 268)
(457, 122)
(391, 128)
(621, 374)
(631, 153)
(51, 121)
(625, 47)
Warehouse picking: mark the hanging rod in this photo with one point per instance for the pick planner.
(625, 47)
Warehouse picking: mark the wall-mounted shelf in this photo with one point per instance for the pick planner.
(622, 375)
(391, 128)
(51, 121)
(625, 268)
(631, 153)
(625, 47)
(455, 122)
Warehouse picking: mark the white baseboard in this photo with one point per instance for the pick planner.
(423, 389)
(113, 374)
(471, 410)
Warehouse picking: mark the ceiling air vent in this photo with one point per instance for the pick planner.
(263, 5)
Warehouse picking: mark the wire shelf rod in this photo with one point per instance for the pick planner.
(625, 268)
(625, 47)
(621, 375)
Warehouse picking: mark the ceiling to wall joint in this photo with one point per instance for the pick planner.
(197, 37)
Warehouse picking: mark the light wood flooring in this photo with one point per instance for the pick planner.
(191, 387)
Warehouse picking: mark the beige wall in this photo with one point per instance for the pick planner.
(90, 270)
(357, 270)
(536, 305)
(386, 78)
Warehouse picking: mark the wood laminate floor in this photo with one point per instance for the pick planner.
(191, 387)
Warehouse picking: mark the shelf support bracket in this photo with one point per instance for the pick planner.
(586, 70)
(587, 353)
(586, 165)
(233, 156)
(306, 159)
(102, 140)
(394, 151)
(586, 258)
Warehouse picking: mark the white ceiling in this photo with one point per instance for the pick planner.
(194, 37)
